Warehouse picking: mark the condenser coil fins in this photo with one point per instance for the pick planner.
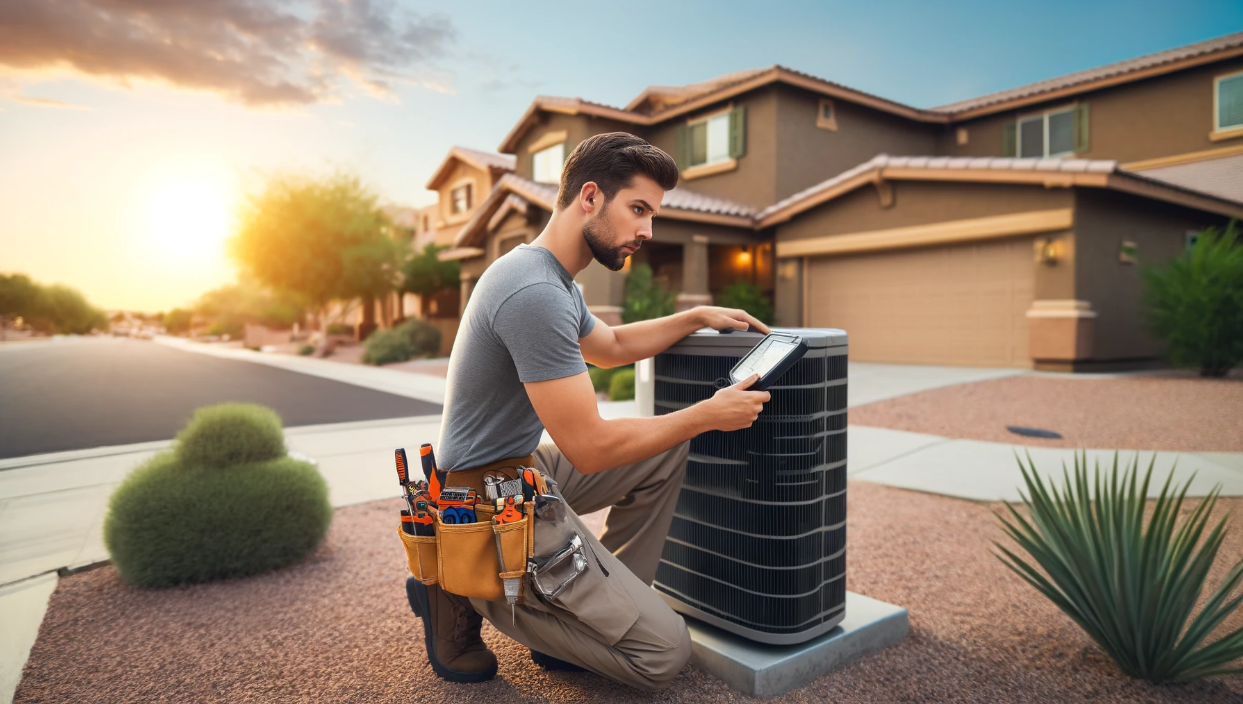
(758, 541)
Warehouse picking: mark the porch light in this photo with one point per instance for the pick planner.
(744, 257)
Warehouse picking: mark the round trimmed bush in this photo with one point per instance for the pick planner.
(424, 337)
(176, 523)
(230, 433)
(621, 386)
(387, 346)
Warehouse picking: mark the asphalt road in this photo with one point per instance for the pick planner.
(95, 392)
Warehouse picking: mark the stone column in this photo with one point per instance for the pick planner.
(467, 285)
(694, 274)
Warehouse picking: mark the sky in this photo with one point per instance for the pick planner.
(130, 130)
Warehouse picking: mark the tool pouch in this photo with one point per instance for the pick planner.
(462, 557)
(421, 555)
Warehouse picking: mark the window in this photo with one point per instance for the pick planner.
(547, 164)
(826, 116)
(1050, 134)
(710, 140)
(460, 199)
(1228, 98)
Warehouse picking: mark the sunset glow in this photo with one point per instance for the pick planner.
(189, 214)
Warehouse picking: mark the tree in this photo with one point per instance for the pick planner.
(320, 239)
(230, 307)
(178, 321)
(425, 275)
(54, 308)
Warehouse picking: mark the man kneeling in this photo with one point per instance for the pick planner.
(519, 366)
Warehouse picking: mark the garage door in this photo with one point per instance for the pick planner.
(956, 305)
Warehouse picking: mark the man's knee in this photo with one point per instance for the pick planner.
(661, 654)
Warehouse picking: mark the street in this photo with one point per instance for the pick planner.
(95, 392)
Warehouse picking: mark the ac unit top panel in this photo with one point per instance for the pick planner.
(735, 344)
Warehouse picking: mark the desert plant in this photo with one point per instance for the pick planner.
(1195, 302)
(423, 336)
(621, 386)
(176, 522)
(340, 329)
(306, 349)
(646, 298)
(387, 347)
(748, 297)
(1130, 584)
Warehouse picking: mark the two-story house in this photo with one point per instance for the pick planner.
(1002, 230)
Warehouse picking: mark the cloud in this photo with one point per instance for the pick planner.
(260, 53)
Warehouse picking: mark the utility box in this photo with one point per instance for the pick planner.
(758, 541)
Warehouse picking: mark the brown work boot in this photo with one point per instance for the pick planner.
(451, 632)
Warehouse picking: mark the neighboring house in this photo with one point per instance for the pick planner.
(462, 180)
(1005, 232)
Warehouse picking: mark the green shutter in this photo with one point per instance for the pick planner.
(682, 146)
(1081, 128)
(737, 132)
(699, 144)
(1009, 139)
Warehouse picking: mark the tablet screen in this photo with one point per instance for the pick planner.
(764, 357)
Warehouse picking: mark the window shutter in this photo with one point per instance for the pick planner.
(737, 132)
(682, 146)
(1081, 128)
(1009, 139)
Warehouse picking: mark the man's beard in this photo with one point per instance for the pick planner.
(599, 234)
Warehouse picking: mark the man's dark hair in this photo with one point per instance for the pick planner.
(612, 160)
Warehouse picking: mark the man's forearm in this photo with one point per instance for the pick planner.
(628, 440)
(648, 338)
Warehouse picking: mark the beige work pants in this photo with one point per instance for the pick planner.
(624, 631)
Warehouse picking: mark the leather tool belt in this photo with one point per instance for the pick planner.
(463, 557)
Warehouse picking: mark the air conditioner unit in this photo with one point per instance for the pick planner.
(758, 540)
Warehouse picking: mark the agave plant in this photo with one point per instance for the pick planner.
(1131, 584)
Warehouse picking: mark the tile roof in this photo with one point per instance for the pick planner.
(496, 161)
(1221, 177)
(545, 195)
(1120, 68)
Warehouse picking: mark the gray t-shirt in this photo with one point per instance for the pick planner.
(522, 324)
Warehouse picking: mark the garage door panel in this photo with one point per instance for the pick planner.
(963, 304)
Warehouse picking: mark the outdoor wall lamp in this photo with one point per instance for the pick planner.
(1049, 251)
(744, 257)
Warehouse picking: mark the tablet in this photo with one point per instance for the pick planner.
(771, 358)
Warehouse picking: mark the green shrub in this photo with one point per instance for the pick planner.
(306, 349)
(646, 298)
(387, 346)
(229, 434)
(621, 386)
(424, 337)
(1130, 584)
(171, 522)
(600, 377)
(340, 329)
(748, 297)
(1195, 302)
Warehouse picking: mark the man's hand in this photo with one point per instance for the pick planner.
(735, 408)
(727, 319)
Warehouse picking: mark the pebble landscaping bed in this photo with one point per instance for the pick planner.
(337, 628)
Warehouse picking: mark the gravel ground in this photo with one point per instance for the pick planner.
(1149, 412)
(337, 628)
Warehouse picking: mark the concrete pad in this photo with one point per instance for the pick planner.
(22, 606)
(867, 447)
(870, 382)
(987, 471)
(761, 670)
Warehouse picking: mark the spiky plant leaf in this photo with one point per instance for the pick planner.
(1131, 584)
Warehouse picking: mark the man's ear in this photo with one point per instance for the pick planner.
(590, 198)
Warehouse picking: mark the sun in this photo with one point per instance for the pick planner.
(190, 215)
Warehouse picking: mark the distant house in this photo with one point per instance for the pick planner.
(1001, 230)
